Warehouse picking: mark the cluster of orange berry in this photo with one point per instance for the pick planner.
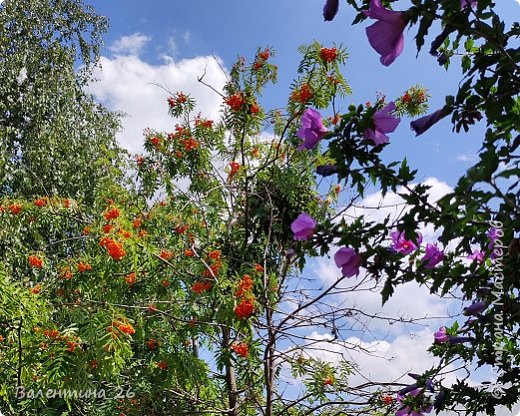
(180, 98)
(302, 95)
(35, 261)
(235, 101)
(84, 267)
(115, 249)
(245, 307)
(40, 202)
(329, 54)
(112, 214)
(241, 349)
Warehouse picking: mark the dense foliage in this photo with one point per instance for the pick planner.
(48, 125)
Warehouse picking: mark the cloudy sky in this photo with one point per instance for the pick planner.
(161, 46)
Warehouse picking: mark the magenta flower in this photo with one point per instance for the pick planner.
(432, 257)
(466, 3)
(312, 130)
(330, 9)
(402, 245)
(477, 255)
(386, 35)
(384, 122)
(303, 227)
(441, 335)
(348, 260)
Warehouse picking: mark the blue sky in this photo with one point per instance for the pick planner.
(171, 43)
(185, 30)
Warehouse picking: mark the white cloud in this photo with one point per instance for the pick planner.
(380, 360)
(375, 207)
(130, 85)
(132, 44)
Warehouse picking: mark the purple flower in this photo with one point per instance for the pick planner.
(408, 389)
(424, 123)
(384, 122)
(326, 170)
(385, 35)
(493, 236)
(475, 308)
(348, 260)
(432, 256)
(330, 9)
(466, 3)
(402, 245)
(477, 255)
(441, 335)
(459, 340)
(303, 227)
(429, 384)
(312, 130)
(417, 410)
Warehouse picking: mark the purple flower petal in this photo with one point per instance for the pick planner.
(460, 340)
(384, 122)
(376, 136)
(402, 245)
(326, 170)
(475, 308)
(441, 335)
(348, 260)
(466, 3)
(378, 12)
(424, 123)
(405, 411)
(386, 41)
(330, 9)
(386, 35)
(303, 227)
(432, 257)
(477, 255)
(312, 130)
